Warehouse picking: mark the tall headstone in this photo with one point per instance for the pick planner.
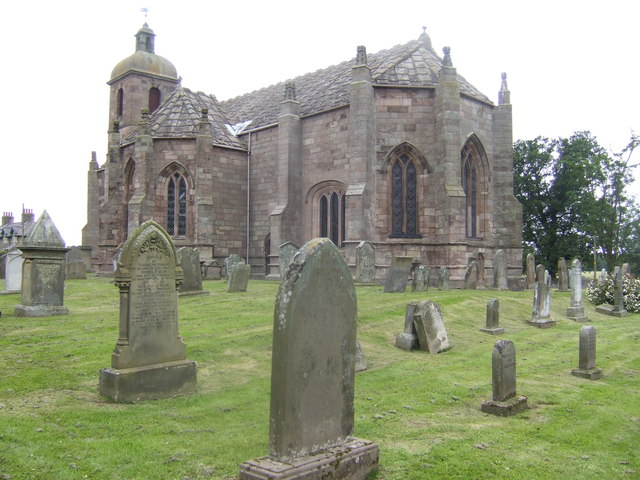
(493, 318)
(541, 315)
(575, 311)
(313, 373)
(617, 309)
(430, 328)
(563, 277)
(443, 278)
(43, 271)
(189, 259)
(471, 276)
(500, 270)
(13, 270)
(587, 355)
(287, 251)
(505, 400)
(238, 277)
(398, 275)
(230, 261)
(365, 263)
(531, 271)
(149, 360)
(420, 281)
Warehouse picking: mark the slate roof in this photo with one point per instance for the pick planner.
(16, 229)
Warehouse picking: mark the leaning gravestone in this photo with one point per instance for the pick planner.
(313, 373)
(398, 274)
(493, 318)
(189, 259)
(149, 360)
(500, 270)
(617, 309)
(286, 252)
(531, 271)
(75, 270)
(443, 278)
(420, 281)
(230, 261)
(575, 311)
(43, 271)
(563, 277)
(429, 325)
(408, 339)
(541, 315)
(238, 277)
(471, 276)
(505, 401)
(13, 270)
(587, 356)
(365, 263)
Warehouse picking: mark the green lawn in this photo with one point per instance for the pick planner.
(423, 410)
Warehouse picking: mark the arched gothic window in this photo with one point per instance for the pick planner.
(328, 203)
(120, 102)
(473, 184)
(154, 99)
(177, 205)
(404, 197)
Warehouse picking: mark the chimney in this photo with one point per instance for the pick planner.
(27, 215)
(7, 217)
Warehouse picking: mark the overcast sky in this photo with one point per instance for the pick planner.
(571, 66)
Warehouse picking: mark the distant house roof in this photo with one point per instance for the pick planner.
(13, 230)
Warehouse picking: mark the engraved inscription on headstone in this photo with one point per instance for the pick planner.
(493, 318)
(430, 328)
(587, 355)
(420, 281)
(287, 251)
(505, 402)
(398, 274)
(365, 263)
(443, 278)
(189, 260)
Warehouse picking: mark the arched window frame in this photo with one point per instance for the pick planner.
(474, 179)
(329, 211)
(175, 188)
(120, 100)
(154, 99)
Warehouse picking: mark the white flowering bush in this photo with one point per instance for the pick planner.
(599, 292)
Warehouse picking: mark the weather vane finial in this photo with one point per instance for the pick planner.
(145, 10)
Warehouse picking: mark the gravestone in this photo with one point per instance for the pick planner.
(75, 270)
(541, 315)
(408, 339)
(420, 281)
(398, 274)
(189, 259)
(480, 262)
(625, 269)
(563, 277)
(116, 256)
(429, 325)
(361, 361)
(443, 278)
(230, 261)
(587, 355)
(575, 311)
(365, 263)
(531, 271)
(313, 373)
(212, 270)
(617, 309)
(505, 400)
(471, 276)
(149, 360)
(602, 278)
(42, 290)
(287, 251)
(238, 277)
(13, 270)
(500, 270)
(80, 254)
(493, 318)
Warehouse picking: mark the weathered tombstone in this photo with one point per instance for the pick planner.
(443, 278)
(13, 270)
(313, 373)
(471, 276)
(541, 315)
(361, 361)
(398, 274)
(43, 271)
(500, 270)
(493, 318)
(80, 254)
(238, 277)
(531, 271)
(408, 339)
(189, 259)
(480, 262)
(540, 273)
(603, 276)
(116, 256)
(563, 278)
(75, 270)
(625, 269)
(212, 270)
(587, 355)
(575, 311)
(230, 261)
(149, 360)
(505, 401)
(420, 281)
(365, 263)
(287, 251)
(617, 309)
(429, 325)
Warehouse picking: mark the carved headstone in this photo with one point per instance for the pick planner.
(287, 251)
(443, 278)
(238, 277)
(312, 374)
(365, 263)
(212, 270)
(230, 261)
(42, 292)
(587, 355)
(75, 270)
(617, 309)
(420, 281)
(13, 270)
(500, 270)
(429, 325)
(493, 318)
(531, 271)
(625, 269)
(505, 401)
(575, 311)
(149, 360)
(189, 259)
(408, 339)
(471, 276)
(541, 315)
(398, 274)
(563, 277)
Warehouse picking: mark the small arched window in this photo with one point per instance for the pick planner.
(404, 197)
(120, 102)
(177, 205)
(329, 203)
(154, 99)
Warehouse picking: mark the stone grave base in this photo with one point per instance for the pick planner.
(407, 341)
(493, 331)
(9, 292)
(161, 380)
(610, 310)
(194, 293)
(540, 323)
(40, 310)
(354, 460)
(593, 374)
(509, 407)
(576, 314)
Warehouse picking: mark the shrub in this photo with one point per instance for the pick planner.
(602, 292)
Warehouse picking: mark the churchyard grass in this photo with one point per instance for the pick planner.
(423, 410)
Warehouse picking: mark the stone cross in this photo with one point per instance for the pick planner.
(313, 373)
(365, 263)
(420, 279)
(500, 270)
(443, 278)
(189, 260)
(531, 271)
(493, 318)
(575, 311)
(505, 402)
(541, 315)
(587, 355)
(563, 278)
(286, 252)
(398, 274)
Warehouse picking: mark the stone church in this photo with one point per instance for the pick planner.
(393, 147)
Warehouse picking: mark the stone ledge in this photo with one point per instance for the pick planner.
(542, 323)
(611, 311)
(40, 310)
(592, 374)
(493, 331)
(509, 407)
(354, 460)
(193, 293)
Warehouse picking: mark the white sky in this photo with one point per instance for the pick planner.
(571, 65)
